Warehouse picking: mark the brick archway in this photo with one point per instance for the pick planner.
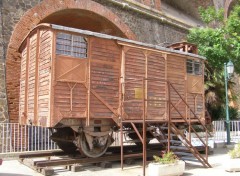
(228, 7)
(35, 16)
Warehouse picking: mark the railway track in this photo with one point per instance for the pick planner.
(46, 162)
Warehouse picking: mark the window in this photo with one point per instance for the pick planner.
(194, 67)
(71, 45)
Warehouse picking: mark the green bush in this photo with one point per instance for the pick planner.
(219, 113)
(167, 158)
(235, 153)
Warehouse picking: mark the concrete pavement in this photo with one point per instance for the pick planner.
(217, 160)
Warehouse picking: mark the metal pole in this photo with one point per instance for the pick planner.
(144, 127)
(121, 129)
(121, 134)
(169, 116)
(227, 111)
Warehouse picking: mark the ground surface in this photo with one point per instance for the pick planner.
(217, 160)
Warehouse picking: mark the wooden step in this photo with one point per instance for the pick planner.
(171, 141)
(171, 134)
(179, 148)
(156, 134)
(193, 159)
(164, 128)
(181, 154)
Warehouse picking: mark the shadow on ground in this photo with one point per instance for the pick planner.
(187, 174)
(7, 174)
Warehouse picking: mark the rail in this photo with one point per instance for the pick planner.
(22, 138)
(187, 140)
(220, 134)
(16, 138)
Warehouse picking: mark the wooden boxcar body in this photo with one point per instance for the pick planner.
(91, 82)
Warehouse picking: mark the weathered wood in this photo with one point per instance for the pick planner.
(105, 78)
(76, 168)
(47, 171)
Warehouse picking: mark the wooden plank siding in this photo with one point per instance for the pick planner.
(22, 115)
(70, 93)
(156, 89)
(100, 78)
(176, 75)
(31, 77)
(105, 72)
(44, 75)
(134, 72)
(139, 64)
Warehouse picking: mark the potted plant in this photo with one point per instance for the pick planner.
(233, 164)
(167, 165)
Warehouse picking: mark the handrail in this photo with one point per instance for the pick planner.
(189, 108)
(190, 126)
(202, 159)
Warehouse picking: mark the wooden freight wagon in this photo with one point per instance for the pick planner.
(85, 85)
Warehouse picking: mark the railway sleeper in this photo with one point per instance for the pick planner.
(46, 171)
(75, 168)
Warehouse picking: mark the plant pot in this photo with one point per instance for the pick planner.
(156, 169)
(233, 165)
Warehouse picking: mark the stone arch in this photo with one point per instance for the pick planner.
(229, 4)
(37, 15)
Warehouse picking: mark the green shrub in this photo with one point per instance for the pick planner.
(235, 153)
(219, 112)
(167, 158)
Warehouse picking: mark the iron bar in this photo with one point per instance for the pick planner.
(227, 111)
(193, 150)
(144, 126)
(169, 118)
(189, 107)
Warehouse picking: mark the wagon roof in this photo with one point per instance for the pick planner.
(105, 36)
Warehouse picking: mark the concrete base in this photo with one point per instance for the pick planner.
(233, 165)
(156, 169)
(47, 171)
(220, 145)
(224, 145)
(76, 168)
(230, 146)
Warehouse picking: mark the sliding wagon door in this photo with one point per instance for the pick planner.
(144, 75)
(104, 79)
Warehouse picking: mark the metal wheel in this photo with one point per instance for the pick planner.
(96, 151)
(64, 139)
(67, 147)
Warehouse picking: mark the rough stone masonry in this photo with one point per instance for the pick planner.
(3, 94)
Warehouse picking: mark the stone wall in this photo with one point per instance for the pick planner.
(3, 96)
(146, 28)
(145, 21)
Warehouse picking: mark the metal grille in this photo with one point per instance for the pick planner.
(194, 67)
(71, 45)
(220, 134)
(22, 138)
